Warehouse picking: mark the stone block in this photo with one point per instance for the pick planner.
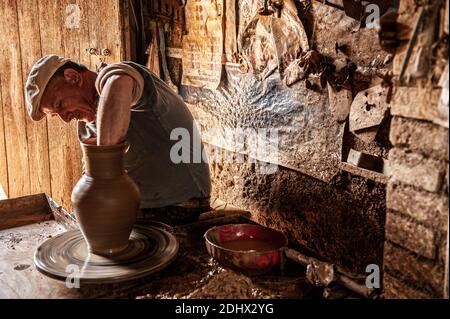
(417, 170)
(411, 235)
(396, 289)
(419, 104)
(409, 267)
(426, 207)
(420, 137)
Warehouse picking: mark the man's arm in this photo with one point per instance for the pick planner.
(114, 110)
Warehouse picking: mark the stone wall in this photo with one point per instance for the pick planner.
(415, 251)
(416, 247)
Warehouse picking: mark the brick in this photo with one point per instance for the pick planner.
(417, 170)
(418, 104)
(420, 137)
(409, 267)
(442, 246)
(409, 234)
(445, 257)
(426, 207)
(396, 289)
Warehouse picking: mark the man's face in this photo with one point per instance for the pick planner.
(66, 97)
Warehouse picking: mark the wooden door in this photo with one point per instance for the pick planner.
(45, 156)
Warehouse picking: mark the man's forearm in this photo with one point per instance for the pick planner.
(114, 110)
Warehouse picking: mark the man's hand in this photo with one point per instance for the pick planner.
(114, 110)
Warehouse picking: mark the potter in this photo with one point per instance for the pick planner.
(121, 103)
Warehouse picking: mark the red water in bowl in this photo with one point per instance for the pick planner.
(250, 248)
(249, 245)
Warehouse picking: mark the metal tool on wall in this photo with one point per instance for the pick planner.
(101, 54)
(411, 43)
(164, 14)
(265, 11)
(162, 49)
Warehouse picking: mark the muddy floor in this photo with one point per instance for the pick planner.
(193, 274)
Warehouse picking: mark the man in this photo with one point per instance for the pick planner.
(126, 101)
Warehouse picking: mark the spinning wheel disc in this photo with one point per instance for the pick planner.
(150, 249)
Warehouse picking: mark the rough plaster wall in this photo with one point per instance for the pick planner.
(306, 131)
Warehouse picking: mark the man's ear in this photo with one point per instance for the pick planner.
(73, 77)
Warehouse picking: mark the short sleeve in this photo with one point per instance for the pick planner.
(121, 68)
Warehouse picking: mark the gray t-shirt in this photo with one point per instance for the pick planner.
(156, 111)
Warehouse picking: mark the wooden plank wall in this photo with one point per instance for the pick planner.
(45, 156)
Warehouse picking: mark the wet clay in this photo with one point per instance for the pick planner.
(105, 199)
(249, 244)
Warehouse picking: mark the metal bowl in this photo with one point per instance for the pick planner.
(249, 261)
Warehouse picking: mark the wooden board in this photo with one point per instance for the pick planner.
(3, 160)
(124, 21)
(203, 44)
(30, 47)
(24, 210)
(58, 139)
(71, 152)
(13, 102)
(45, 156)
(105, 29)
(84, 34)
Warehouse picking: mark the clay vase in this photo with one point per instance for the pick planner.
(105, 199)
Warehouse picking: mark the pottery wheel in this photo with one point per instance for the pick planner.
(150, 249)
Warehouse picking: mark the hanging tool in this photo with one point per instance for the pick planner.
(278, 6)
(411, 43)
(162, 50)
(182, 8)
(265, 11)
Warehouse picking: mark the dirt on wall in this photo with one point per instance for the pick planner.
(342, 221)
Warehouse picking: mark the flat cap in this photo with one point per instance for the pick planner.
(40, 74)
